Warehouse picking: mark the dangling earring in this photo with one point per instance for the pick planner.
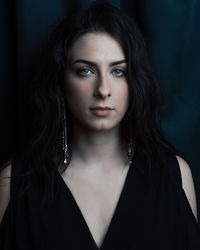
(131, 150)
(64, 135)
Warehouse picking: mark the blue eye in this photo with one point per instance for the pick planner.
(84, 72)
(118, 72)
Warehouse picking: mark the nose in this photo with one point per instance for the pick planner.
(103, 89)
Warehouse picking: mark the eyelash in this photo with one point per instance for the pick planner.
(80, 72)
(122, 71)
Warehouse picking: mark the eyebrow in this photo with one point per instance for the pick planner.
(94, 64)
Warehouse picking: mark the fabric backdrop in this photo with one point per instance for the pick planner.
(171, 29)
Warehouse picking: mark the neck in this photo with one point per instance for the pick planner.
(97, 148)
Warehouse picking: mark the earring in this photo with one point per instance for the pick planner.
(64, 135)
(131, 150)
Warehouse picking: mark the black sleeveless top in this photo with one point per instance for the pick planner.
(153, 215)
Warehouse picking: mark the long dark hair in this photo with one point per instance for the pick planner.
(142, 121)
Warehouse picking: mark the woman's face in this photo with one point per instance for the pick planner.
(96, 86)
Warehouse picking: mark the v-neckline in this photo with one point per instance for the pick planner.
(115, 213)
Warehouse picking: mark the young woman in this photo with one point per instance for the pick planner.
(98, 172)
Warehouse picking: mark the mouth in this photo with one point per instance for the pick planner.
(101, 111)
(101, 108)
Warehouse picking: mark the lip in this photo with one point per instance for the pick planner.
(101, 111)
(101, 108)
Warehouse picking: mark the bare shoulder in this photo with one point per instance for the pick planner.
(188, 184)
(5, 174)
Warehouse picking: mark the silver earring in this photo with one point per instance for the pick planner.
(64, 136)
(131, 150)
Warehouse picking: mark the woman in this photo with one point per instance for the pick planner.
(98, 172)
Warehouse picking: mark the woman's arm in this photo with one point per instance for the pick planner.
(5, 174)
(187, 184)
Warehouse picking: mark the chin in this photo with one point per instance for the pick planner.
(103, 126)
(98, 126)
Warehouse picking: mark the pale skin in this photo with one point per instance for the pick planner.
(98, 167)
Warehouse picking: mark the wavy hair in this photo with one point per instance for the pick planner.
(142, 119)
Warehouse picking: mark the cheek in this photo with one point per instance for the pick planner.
(123, 96)
(76, 93)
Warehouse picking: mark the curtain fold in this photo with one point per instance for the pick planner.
(8, 99)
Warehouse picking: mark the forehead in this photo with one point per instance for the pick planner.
(97, 47)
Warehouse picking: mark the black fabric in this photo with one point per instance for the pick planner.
(149, 215)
